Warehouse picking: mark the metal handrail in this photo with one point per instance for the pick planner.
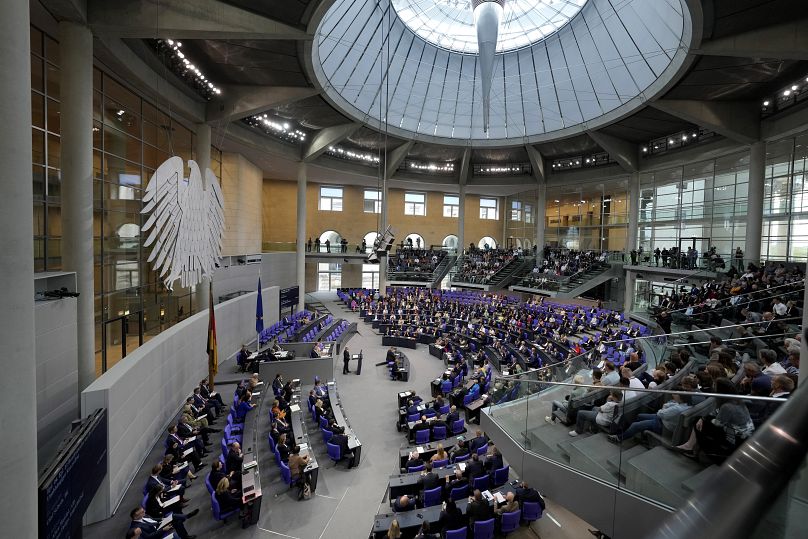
(729, 505)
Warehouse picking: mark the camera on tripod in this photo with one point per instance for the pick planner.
(60, 294)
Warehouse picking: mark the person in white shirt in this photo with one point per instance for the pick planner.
(601, 415)
(632, 382)
(769, 360)
(779, 307)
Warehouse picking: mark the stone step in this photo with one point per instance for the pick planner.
(617, 462)
(591, 456)
(546, 440)
(662, 483)
(694, 483)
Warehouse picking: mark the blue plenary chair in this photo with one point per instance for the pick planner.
(482, 449)
(439, 433)
(458, 493)
(456, 534)
(484, 529)
(433, 497)
(211, 490)
(413, 417)
(440, 463)
(461, 458)
(458, 426)
(422, 436)
(412, 469)
(327, 434)
(334, 451)
(217, 510)
(446, 387)
(531, 511)
(480, 483)
(443, 410)
(501, 475)
(510, 521)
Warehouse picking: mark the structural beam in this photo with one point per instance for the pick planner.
(465, 174)
(624, 153)
(738, 120)
(180, 19)
(465, 167)
(326, 137)
(67, 10)
(397, 156)
(787, 41)
(536, 163)
(242, 101)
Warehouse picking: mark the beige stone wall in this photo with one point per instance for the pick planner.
(242, 186)
(352, 223)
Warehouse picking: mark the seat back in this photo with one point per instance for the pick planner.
(459, 533)
(458, 493)
(413, 417)
(432, 497)
(327, 434)
(211, 490)
(334, 451)
(457, 426)
(501, 475)
(482, 449)
(271, 443)
(444, 409)
(510, 521)
(440, 463)
(286, 474)
(480, 483)
(531, 511)
(439, 433)
(446, 386)
(484, 529)
(420, 468)
(461, 458)
(422, 436)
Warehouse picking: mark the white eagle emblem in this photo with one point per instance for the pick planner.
(186, 222)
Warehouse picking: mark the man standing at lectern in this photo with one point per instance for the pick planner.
(346, 357)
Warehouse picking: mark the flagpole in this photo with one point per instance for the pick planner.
(212, 352)
(258, 333)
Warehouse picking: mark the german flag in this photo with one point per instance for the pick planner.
(213, 350)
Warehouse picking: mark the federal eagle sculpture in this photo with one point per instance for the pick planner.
(186, 222)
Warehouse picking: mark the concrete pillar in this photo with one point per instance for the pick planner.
(76, 50)
(202, 158)
(628, 298)
(754, 204)
(18, 505)
(633, 214)
(301, 233)
(541, 219)
(461, 220)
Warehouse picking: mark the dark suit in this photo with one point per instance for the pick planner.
(451, 521)
(233, 462)
(494, 462)
(429, 481)
(474, 468)
(342, 441)
(451, 417)
(479, 511)
(152, 482)
(228, 502)
(476, 443)
(346, 357)
(147, 530)
(398, 509)
(528, 495)
(414, 463)
(284, 452)
(215, 478)
(438, 423)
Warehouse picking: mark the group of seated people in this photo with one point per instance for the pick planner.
(186, 445)
(481, 265)
(320, 402)
(414, 264)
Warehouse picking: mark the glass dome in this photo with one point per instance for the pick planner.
(449, 24)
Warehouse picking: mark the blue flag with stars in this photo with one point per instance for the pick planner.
(259, 310)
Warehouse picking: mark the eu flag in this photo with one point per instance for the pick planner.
(259, 311)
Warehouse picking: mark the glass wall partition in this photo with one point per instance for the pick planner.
(785, 203)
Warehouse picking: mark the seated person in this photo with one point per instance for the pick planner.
(455, 481)
(477, 442)
(461, 450)
(423, 424)
(297, 468)
(510, 505)
(217, 473)
(440, 453)
(234, 459)
(429, 479)
(524, 493)
(438, 422)
(341, 440)
(494, 460)
(425, 532)
(243, 406)
(474, 468)
(177, 447)
(146, 528)
(414, 461)
(229, 498)
(452, 416)
(282, 449)
(600, 415)
(157, 511)
(403, 504)
(478, 508)
(451, 518)
(667, 416)
(276, 410)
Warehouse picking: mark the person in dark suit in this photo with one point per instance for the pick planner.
(429, 480)
(474, 468)
(414, 462)
(403, 504)
(148, 530)
(493, 461)
(423, 424)
(229, 499)
(346, 358)
(438, 422)
(342, 441)
(234, 459)
(217, 473)
(176, 447)
(283, 449)
(157, 512)
(477, 442)
(478, 509)
(452, 416)
(455, 481)
(156, 478)
(391, 355)
(461, 450)
(526, 494)
(451, 518)
(412, 408)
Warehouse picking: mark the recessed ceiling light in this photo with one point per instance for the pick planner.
(794, 87)
(787, 93)
(766, 103)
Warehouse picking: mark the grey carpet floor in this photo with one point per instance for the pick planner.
(346, 500)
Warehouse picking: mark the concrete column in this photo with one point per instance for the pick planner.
(633, 213)
(301, 233)
(18, 505)
(202, 158)
(541, 219)
(383, 259)
(76, 50)
(754, 204)
(628, 298)
(461, 220)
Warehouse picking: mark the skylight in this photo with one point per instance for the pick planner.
(449, 24)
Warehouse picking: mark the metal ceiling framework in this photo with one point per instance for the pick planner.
(740, 52)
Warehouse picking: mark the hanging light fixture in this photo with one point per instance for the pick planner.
(488, 16)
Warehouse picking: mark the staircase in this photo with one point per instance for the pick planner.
(503, 278)
(441, 270)
(582, 282)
